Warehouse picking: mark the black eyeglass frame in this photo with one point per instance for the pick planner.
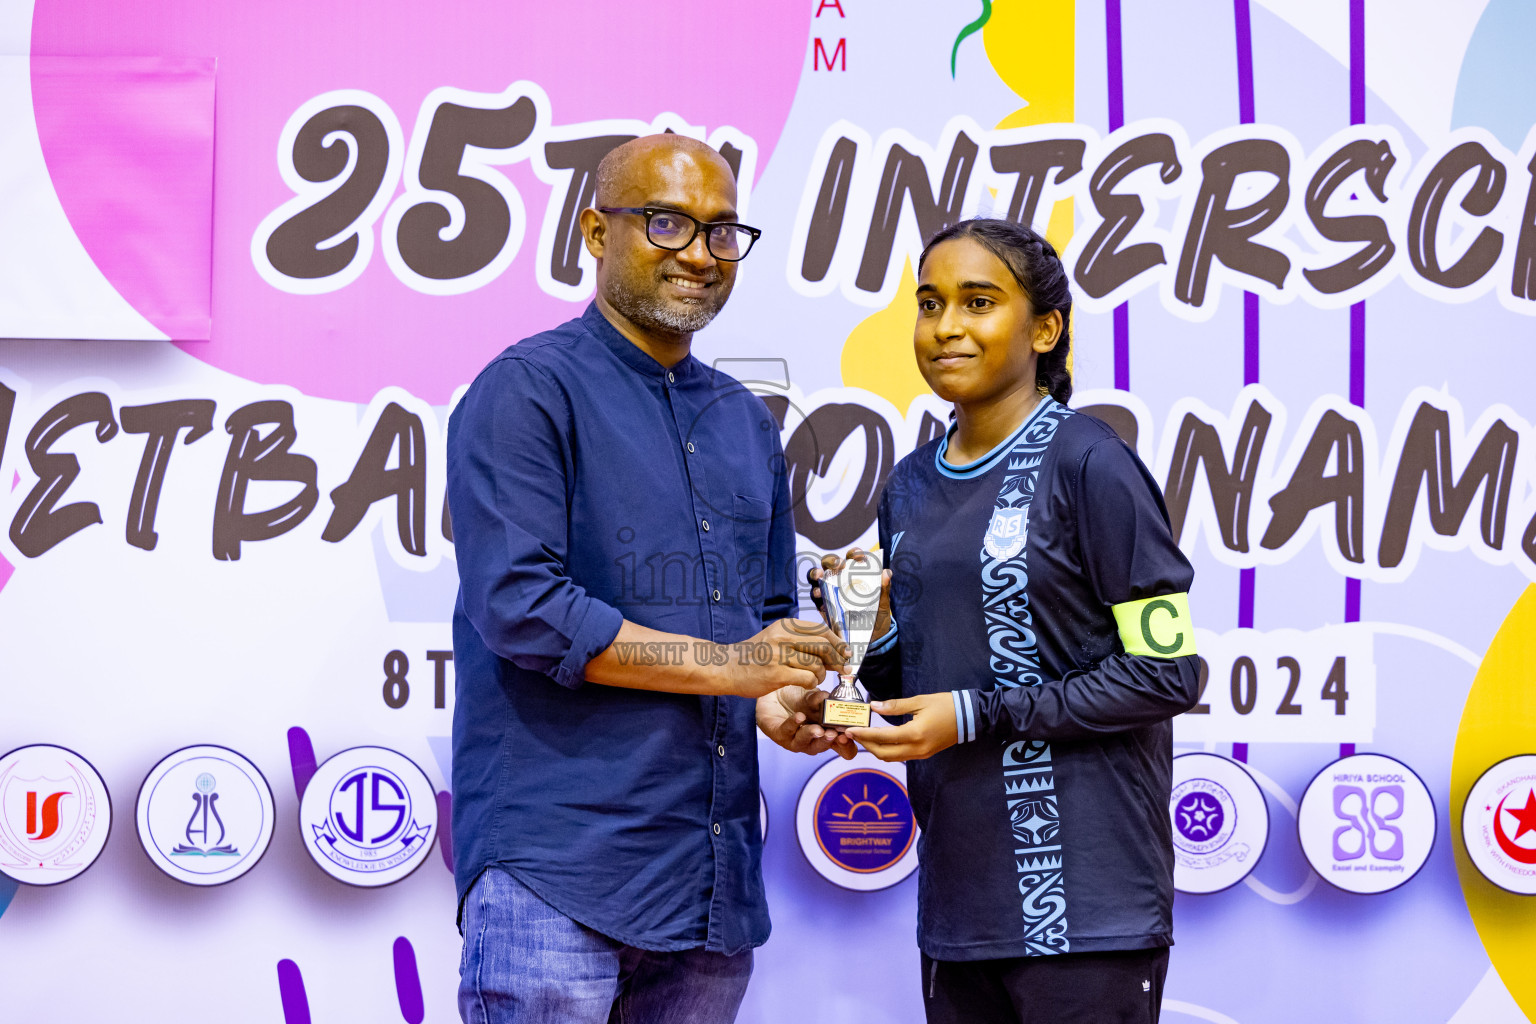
(650, 211)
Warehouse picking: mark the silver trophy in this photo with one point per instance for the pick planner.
(852, 598)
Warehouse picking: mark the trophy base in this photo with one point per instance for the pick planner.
(845, 713)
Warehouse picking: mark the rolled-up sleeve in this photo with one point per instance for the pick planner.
(508, 467)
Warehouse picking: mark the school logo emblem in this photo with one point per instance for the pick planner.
(1007, 532)
(205, 815)
(1220, 823)
(855, 823)
(1366, 823)
(55, 814)
(369, 816)
(1498, 824)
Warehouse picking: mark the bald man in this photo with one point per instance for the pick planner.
(625, 551)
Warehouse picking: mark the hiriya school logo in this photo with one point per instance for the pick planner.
(55, 814)
(1366, 823)
(205, 815)
(1498, 824)
(855, 823)
(368, 816)
(1007, 532)
(1220, 823)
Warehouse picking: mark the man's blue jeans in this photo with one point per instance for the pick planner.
(527, 963)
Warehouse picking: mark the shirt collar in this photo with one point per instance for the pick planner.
(600, 328)
(990, 460)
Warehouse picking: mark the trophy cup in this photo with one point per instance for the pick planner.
(852, 598)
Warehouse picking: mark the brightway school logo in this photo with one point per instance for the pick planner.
(55, 814)
(855, 823)
(368, 816)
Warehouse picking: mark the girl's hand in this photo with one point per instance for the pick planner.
(789, 716)
(830, 566)
(931, 729)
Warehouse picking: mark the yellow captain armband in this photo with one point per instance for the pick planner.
(1158, 627)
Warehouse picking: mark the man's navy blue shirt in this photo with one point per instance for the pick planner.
(587, 484)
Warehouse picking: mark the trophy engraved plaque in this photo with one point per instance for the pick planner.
(852, 599)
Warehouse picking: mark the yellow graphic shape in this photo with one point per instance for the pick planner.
(878, 353)
(1032, 45)
(1499, 721)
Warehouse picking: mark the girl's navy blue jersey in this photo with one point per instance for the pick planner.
(1041, 586)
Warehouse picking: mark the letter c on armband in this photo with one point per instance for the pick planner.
(1157, 627)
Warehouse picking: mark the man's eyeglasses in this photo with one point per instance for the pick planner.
(675, 230)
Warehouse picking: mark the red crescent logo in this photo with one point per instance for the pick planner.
(1518, 853)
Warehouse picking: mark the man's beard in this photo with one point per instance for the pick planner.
(645, 309)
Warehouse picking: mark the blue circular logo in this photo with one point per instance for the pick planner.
(864, 821)
(1198, 816)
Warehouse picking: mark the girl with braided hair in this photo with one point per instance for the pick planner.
(1035, 635)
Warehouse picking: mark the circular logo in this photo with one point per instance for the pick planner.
(55, 814)
(1220, 823)
(1498, 824)
(1366, 823)
(205, 815)
(855, 823)
(368, 816)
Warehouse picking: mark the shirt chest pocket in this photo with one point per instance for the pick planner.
(751, 519)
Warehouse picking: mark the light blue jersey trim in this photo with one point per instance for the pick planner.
(1029, 781)
(993, 457)
(884, 644)
(965, 716)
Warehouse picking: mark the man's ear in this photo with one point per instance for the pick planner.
(594, 231)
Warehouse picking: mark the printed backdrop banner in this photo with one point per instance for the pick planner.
(1302, 239)
(108, 197)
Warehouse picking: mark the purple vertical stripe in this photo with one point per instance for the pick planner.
(1245, 581)
(1250, 338)
(445, 827)
(301, 756)
(1244, 62)
(408, 983)
(1123, 347)
(1240, 752)
(1112, 36)
(1243, 23)
(1116, 68)
(1357, 61)
(290, 988)
(1357, 354)
(1357, 311)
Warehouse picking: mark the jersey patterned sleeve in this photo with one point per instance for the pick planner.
(1135, 568)
(507, 469)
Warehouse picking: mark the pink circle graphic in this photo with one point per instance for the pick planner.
(714, 65)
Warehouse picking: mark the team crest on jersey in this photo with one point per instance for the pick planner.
(1007, 532)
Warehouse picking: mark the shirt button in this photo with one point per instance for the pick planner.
(690, 447)
(717, 828)
(671, 377)
(720, 750)
(716, 595)
(706, 524)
